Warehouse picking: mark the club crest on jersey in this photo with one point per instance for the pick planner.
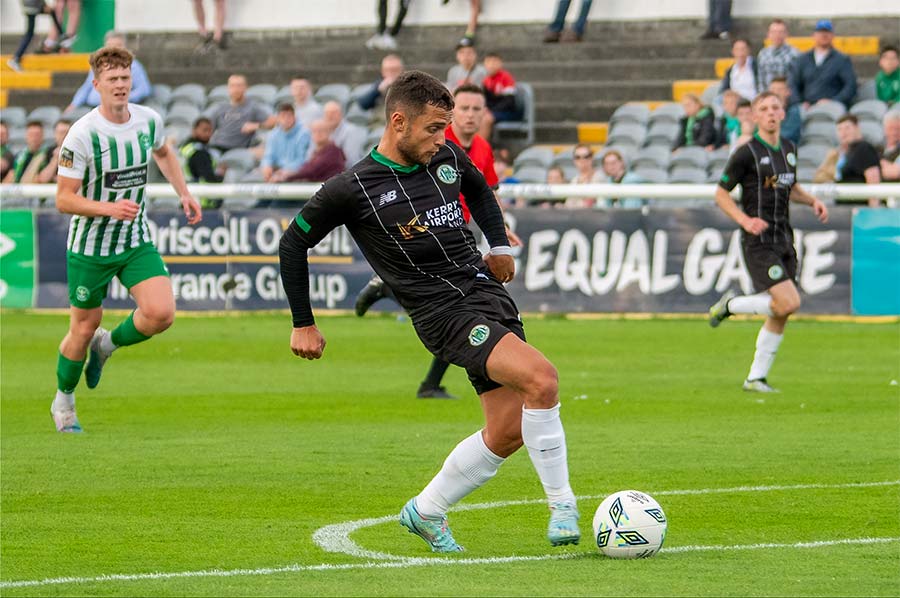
(791, 159)
(411, 227)
(478, 335)
(776, 272)
(144, 140)
(82, 293)
(446, 174)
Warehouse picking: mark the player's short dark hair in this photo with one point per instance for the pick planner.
(200, 120)
(412, 91)
(34, 123)
(286, 107)
(886, 49)
(762, 96)
(848, 118)
(110, 58)
(778, 80)
(468, 88)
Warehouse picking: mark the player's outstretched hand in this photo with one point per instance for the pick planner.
(307, 342)
(503, 267)
(755, 226)
(124, 209)
(191, 208)
(820, 210)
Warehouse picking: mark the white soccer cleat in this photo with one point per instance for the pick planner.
(759, 385)
(66, 421)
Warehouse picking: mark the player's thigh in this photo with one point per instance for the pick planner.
(146, 277)
(516, 364)
(88, 279)
(785, 293)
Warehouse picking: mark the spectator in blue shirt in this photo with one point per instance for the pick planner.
(793, 121)
(140, 83)
(823, 73)
(286, 147)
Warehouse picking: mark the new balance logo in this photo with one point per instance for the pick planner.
(765, 160)
(387, 197)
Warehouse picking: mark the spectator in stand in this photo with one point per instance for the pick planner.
(698, 125)
(140, 82)
(860, 163)
(217, 37)
(728, 128)
(555, 31)
(6, 155)
(741, 76)
(306, 108)
(890, 157)
(286, 148)
(198, 159)
(718, 20)
(583, 157)
(747, 126)
(31, 9)
(384, 40)
(793, 121)
(500, 95)
(467, 70)
(235, 124)
(326, 159)
(616, 172)
(555, 176)
(31, 160)
(391, 68)
(48, 172)
(56, 41)
(776, 59)
(823, 73)
(347, 136)
(887, 80)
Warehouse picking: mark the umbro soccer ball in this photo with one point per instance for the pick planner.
(629, 525)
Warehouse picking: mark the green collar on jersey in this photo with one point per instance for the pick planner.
(765, 143)
(381, 159)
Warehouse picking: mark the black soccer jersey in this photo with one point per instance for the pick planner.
(766, 175)
(408, 222)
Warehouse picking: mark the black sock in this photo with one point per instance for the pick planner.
(435, 373)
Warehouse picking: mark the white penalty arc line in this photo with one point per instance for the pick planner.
(418, 562)
(335, 538)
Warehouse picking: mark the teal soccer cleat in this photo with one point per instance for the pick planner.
(96, 359)
(434, 531)
(563, 528)
(66, 421)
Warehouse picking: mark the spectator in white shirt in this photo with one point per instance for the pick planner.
(741, 76)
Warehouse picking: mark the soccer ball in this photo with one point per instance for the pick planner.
(629, 525)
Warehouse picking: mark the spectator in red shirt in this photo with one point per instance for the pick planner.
(500, 95)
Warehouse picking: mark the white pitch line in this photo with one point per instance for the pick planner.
(415, 562)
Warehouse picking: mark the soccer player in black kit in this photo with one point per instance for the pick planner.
(401, 205)
(766, 169)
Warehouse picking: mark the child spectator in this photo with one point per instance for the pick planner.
(728, 128)
(500, 95)
(466, 70)
(745, 123)
(887, 80)
(698, 125)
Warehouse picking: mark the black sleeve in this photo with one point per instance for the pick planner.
(707, 134)
(331, 207)
(482, 203)
(201, 168)
(864, 158)
(736, 169)
(681, 140)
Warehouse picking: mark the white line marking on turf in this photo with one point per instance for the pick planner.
(335, 538)
(415, 562)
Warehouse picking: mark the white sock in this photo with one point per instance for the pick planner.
(766, 347)
(759, 304)
(468, 467)
(64, 401)
(106, 344)
(545, 439)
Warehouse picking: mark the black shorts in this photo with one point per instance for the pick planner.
(769, 263)
(466, 334)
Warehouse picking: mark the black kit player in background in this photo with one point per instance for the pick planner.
(766, 169)
(401, 205)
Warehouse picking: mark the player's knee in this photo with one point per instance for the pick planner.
(785, 306)
(83, 330)
(159, 317)
(543, 387)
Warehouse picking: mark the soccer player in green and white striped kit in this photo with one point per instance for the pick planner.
(103, 166)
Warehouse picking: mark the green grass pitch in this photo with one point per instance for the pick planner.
(213, 448)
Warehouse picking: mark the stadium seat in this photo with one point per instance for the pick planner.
(338, 92)
(151, 104)
(662, 133)
(219, 94)
(238, 161)
(717, 161)
(374, 136)
(655, 156)
(563, 158)
(871, 110)
(535, 155)
(638, 114)
(182, 113)
(811, 155)
(177, 133)
(13, 116)
(805, 174)
(866, 91)
(569, 171)
(17, 134)
(283, 95)
(628, 133)
(162, 93)
(190, 93)
(46, 114)
(79, 111)
(668, 112)
(708, 97)
(357, 115)
(822, 132)
(524, 102)
(692, 156)
(688, 174)
(872, 132)
(264, 93)
(652, 174)
(531, 174)
(827, 110)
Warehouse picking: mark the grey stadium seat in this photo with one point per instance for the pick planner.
(283, 96)
(264, 93)
(563, 158)
(694, 156)
(524, 127)
(652, 174)
(872, 132)
(827, 110)
(655, 156)
(631, 133)
(534, 156)
(219, 93)
(873, 110)
(359, 90)
(338, 92)
(819, 131)
(178, 133)
(627, 150)
(811, 154)
(14, 117)
(162, 93)
(688, 174)
(357, 115)
(239, 160)
(671, 112)
(531, 174)
(662, 133)
(866, 91)
(191, 93)
(805, 174)
(46, 114)
(182, 113)
(634, 113)
(709, 94)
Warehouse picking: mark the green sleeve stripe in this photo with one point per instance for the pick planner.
(303, 224)
(152, 122)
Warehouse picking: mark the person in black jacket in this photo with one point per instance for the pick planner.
(698, 125)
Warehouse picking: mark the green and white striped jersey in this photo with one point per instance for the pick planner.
(112, 161)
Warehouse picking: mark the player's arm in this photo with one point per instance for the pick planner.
(873, 177)
(328, 209)
(800, 195)
(734, 173)
(69, 201)
(171, 169)
(485, 208)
